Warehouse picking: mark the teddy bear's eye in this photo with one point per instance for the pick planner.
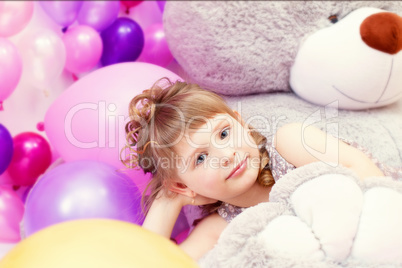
(333, 18)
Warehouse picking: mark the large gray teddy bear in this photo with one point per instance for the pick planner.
(311, 47)
(314, 62)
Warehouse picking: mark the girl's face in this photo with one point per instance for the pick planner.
(220, 160)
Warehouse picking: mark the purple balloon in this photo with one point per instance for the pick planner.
(180, 225)
(122, 42)
(98, 14)
(63, 13)
(6, 148)
(161, 5)
(81, 190)
(11, 211)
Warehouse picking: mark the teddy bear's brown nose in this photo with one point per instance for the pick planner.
(383, 31)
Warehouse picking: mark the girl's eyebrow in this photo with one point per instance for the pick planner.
(197, 149)
(219, 125)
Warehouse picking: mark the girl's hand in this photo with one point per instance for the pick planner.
(165, 210)
(163, 213)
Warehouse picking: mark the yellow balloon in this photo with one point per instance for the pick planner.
(99, 243)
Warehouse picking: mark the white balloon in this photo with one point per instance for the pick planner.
(43, 55)
(5, 248)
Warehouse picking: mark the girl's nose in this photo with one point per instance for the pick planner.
(383, 31)
(228, 158)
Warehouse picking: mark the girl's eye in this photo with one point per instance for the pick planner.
(201, 158)
(225, 133)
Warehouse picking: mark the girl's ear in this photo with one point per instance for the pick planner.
(181, 188)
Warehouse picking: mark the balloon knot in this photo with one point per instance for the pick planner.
(127, 11)
(40, 126)
(64, 30)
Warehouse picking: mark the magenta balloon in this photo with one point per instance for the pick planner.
(81, 190)
(31, 157)
(10, 68)
(87, 120)
(98, 14)
(156, 49)
(22, 192)
(11, 212)
(129, 4)
(182, 236)
(14, 16)
(63, 13)
(83, 48)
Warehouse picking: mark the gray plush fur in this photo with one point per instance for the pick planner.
(239, 246)
(244, 47)
(378, 130)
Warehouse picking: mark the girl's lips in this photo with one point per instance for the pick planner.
(238, 169)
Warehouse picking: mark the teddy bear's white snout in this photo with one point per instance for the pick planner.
(383, 31)
(362, 70)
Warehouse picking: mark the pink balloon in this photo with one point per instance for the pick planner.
(31, 158)
(87, 120)
(14, 16)
(83, 48)
(156, 49)
(11, 212)
(63, 13)
(5, 179)
(10, 68)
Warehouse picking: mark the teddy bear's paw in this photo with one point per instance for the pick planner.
(287, 236)
(330, 205)
(379, 237)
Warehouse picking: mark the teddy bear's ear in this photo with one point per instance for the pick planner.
(337, 65)
(383, 31)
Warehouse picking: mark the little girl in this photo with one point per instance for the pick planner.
(201, 152)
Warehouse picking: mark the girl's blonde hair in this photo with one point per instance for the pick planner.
(158, 119)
